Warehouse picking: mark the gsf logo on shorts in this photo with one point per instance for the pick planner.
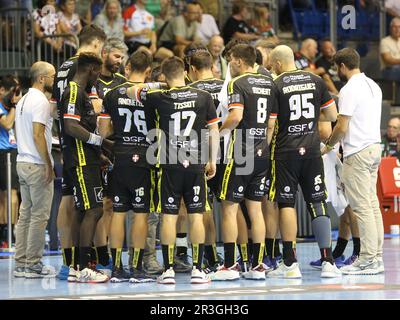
(98, 192)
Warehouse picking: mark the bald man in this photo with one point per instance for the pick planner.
(35, 170)
(220, 66)
(296, 158)
(304, 59)
(389, 139)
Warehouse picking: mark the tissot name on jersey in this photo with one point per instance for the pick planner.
(301, 97)
(183, 115)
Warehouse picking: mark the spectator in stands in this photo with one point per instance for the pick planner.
(166, 13)
(139, 29)
(325, 62)
(70, 24)
(35, 171)
(9, 96)
(110, 20)
(220, 66)
(389, 139)
(84, 11)
(46, 23)
(236, 26)
(207, 26)
(261, 23)
(181, 31)
(96, 7)
(265, 47)
(390, 52)
(304, 59)
(393, 7)
(210, 7)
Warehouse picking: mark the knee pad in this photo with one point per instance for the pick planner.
(318, 209)
(285, 205)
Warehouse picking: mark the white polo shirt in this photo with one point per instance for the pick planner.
(33, 107)
(361, 99)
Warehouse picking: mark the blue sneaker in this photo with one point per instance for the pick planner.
(340, 261)
(350, 260)
(63, 273)
(106, 270)
(316, 264)
(271, 263)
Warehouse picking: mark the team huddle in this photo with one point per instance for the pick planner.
(169, 144)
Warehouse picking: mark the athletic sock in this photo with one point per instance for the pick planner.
(210, 253)
(356, 246)
(116, 255)
(341, 245)
(103, 256)
(181, 244)
(250, 249)
(269, 247)
(67, 256)
(75, 257)
(84, 257)
(197, 254)
(137, 260)
(244, 252)
(93, 255)
(289, 252)
(229, 254)
(277, 250)
(168, 255)
(258, 254)
(326, 254)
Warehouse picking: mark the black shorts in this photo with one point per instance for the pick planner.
(3, 169)
(106, 177)
(236, 187)
(288, 174)
(132, 188)
(175, 184)
(67, 187)
(88, 191)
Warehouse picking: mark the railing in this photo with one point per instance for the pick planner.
(16, 40)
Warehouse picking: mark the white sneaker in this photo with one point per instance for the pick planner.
(72, 275)
(381, 266)
(256, 273)
(283, 271)
(361, 268)
(88, 275)
(330, 270)
(199, 277)
(226, 274)
(167, 277)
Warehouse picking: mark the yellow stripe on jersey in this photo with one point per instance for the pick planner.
(80, 152)
(208, 207)
(159, 191)
(152, 189)
(73, 92)
(313, 210)
(81, 181)
(272, 189)
(275, 135)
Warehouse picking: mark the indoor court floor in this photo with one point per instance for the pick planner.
(380, 287)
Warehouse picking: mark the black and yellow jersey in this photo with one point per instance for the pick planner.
(129, 123)
(76, 105)
(301, 96)
(105, 83)
(256, 95)
(262, 70)
(183, 114)
(212, 86)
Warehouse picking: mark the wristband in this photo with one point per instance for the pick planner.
(95, 139)
(328, 146)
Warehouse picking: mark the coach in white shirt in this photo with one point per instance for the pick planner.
(35, 170)
(360, 104)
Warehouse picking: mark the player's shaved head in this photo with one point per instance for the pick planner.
(282, 59)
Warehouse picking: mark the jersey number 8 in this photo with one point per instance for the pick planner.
(300, 106)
